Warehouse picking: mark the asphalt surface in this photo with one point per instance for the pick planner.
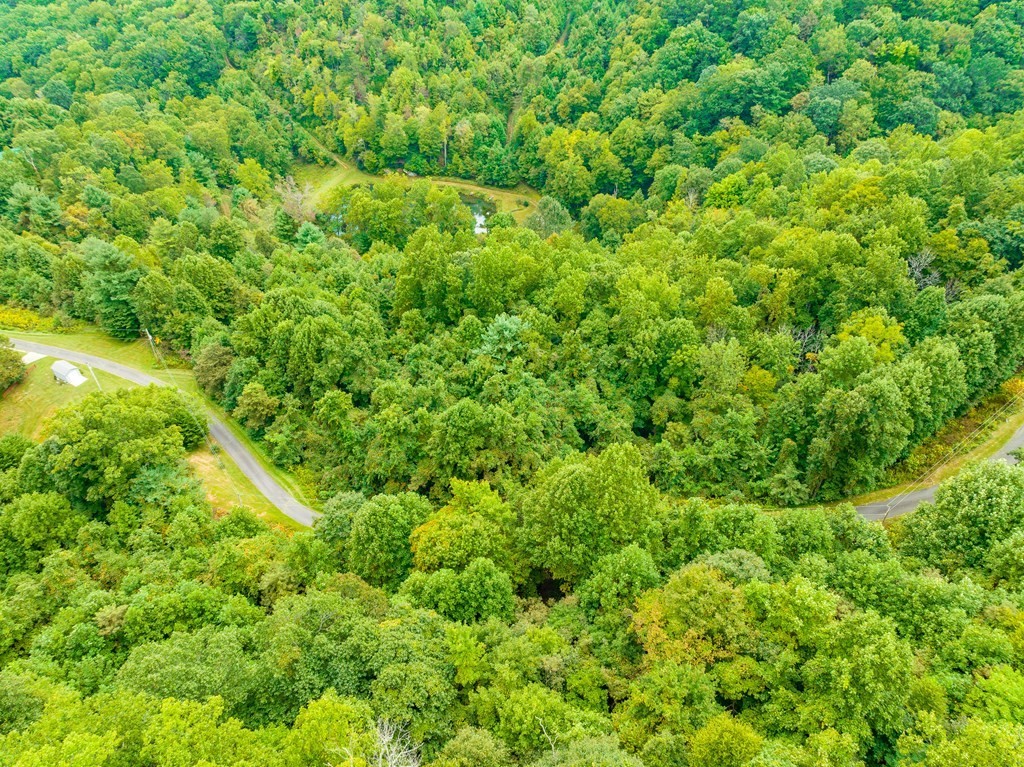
(231, 445)
(903, 503)
(897, 505)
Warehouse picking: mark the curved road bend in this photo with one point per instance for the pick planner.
(901, 504)
(239, 453)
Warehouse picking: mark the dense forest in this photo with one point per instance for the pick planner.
(136, 629)
(564, 464)
(779, 308)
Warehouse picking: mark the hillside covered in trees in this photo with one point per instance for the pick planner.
(777, 247)
(136, 629)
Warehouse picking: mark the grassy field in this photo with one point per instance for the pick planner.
(26, 407)
(518, 201)
(226, 487)
(325, 178)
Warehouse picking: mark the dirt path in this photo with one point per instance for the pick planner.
(516, 201)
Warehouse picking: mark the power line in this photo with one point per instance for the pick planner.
(962, 444)
(205, 427)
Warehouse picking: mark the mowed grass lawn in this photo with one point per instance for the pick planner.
(27, 406)
(91, 341)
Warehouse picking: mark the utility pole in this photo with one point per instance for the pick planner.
(151, 345)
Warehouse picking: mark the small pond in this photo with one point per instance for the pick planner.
(481, 208)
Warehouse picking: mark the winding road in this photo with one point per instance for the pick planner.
(893, 506)
(231, 445)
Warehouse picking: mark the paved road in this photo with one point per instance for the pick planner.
(239, 453)
(901, 504)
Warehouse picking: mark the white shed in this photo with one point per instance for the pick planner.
(65, 372)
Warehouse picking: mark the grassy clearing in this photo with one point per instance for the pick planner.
(227, 487)
(325, 178)
(27, 406)
(223, 484)
(970, 438)
(518, 201)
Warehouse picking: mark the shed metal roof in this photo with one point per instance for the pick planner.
(67, 373)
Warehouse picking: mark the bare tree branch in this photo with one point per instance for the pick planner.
(919, 267)
(550, 740)
(394, 747)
